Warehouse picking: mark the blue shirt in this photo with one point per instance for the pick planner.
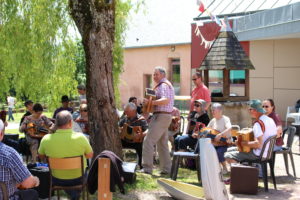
(12, 170)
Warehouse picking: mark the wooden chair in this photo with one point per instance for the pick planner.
(265, 160)
(4, 191)
(287, 149)
(67, 164)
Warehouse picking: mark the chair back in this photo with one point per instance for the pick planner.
(271, 141)
(66, 163)
(292, 131)
(4, 191)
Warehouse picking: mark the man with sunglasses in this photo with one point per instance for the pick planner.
(200, 91)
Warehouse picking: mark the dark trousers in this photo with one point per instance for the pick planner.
(74, 194)
(220, 152)
(10, 114)
(185, 141)
(138, 148)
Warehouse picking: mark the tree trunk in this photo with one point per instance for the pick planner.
(95, 21)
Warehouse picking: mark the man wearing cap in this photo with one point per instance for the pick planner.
(29, 105)
(65, 106)
(257, 112)
(158, 126)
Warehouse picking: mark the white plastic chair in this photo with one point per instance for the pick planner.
(290, 109)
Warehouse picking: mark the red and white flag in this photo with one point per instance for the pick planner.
(201, 6)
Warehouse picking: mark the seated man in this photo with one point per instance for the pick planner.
(190, 139)
(29, 109)
(65, 106)
(174, 126)
(222, 124)
(133, 119)
(13, 172)
(263, 128)
(33, 122)
(66, 143)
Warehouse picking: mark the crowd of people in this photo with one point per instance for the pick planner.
(144, 132)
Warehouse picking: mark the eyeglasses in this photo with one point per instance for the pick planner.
(197, 105)
(265, 106)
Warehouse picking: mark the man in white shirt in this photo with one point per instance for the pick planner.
(263, 128)
(11, 101)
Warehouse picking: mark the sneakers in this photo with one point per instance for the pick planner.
(225, 171)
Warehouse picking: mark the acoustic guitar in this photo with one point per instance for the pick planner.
(35, 131)
(212, 133)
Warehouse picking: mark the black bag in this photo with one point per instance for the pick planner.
(129, 169)
(24, 147)
(28, 194)
(44, 175)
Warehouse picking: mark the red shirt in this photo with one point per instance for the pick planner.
(201, 92)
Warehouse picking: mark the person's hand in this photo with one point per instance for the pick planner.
(218, 137)
(195, 135)
(145, 101)
(37, 183)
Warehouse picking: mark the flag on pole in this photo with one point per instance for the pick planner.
(201, 6)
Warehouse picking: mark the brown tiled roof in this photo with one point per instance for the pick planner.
(226, 52)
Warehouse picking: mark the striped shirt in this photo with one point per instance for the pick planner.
(165, 91)
(12, 170)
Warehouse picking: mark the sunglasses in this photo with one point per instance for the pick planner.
(197, 105)
(250, 109)
(194, 79)
(83, 110)
(265, 106)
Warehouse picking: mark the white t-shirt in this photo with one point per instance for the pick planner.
(270, 130)
(221, 124)
(11, 102)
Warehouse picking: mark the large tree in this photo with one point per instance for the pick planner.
(95, 20)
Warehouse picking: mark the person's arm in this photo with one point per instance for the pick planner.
(30, 182)
(89, 155)
(256, 144)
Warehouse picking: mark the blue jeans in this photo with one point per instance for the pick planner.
(74, 194)
(220, 152)
(10, 114)
(182, 142)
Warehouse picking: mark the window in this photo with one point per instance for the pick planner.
(215, 83)
(147, 82)
(237, 83)
(175, 74)
(227, 85)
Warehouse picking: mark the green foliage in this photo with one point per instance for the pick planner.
(37, 55)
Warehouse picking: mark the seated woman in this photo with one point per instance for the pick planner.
(82, 119)
(269, 107)
(190, 139)
(222, 124)
(130, 120)
(38, 122)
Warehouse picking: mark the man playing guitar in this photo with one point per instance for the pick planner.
(34, 126)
